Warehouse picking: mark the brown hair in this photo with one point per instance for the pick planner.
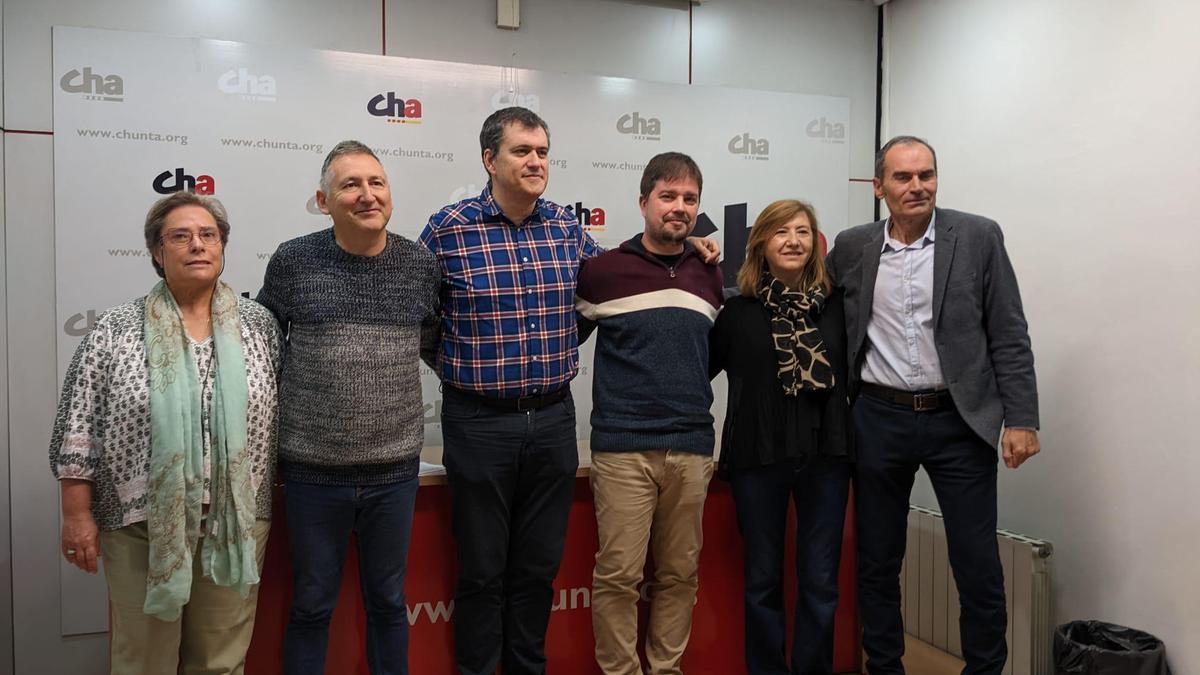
(777, 214)
(492, 132)
(669, 166)
(156, 219)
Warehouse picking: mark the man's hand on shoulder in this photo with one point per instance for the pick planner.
(708, 249)
(1018, 445)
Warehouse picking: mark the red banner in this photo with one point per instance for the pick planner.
(716, 643)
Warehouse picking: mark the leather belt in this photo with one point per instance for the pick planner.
(918, 401)
(522, 404)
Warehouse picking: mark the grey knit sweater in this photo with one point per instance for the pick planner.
(350, 392)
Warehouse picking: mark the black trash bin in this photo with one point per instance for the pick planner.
(1099, 648)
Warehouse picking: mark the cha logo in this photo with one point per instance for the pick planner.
(242, 83)
(78, 325)
(432, 412)
(179, 180)
(750, 147)
(736, 233)
(642, 129)
(507, 99)
(828, 132)
(395, 109)
(460, 193)
(592, 219)
(93, 86)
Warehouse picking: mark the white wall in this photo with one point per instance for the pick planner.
(810, 46)
(1074, 124)
(6, 616)
(815, 46)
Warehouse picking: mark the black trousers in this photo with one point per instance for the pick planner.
(893, 442)
(819, 490)
(512, 479)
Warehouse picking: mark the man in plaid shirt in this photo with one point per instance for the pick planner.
(509, 261)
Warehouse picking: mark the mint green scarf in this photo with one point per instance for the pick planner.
(175, 487)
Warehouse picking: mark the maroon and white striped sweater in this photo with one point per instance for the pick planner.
(650, 390)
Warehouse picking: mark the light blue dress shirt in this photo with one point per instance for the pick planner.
(901, 353)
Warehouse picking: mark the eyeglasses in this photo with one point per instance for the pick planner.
(182, 238)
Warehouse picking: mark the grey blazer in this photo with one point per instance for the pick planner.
(979, 326)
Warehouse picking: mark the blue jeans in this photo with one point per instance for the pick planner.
(320, 519)
(820, 490)
(512, 480)
(893, 442)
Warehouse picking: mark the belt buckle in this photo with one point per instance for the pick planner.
(522, 400)
(925, 402)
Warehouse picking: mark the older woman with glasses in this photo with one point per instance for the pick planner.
(787, 434)
(164, 447)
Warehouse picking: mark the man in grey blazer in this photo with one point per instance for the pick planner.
(941, 369)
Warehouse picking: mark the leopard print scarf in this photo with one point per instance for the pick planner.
(803, 363)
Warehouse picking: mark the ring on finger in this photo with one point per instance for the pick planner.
(70, 551)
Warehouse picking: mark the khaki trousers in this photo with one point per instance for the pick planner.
(210, 638)
(653, 497)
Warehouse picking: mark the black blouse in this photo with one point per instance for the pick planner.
(763, 426)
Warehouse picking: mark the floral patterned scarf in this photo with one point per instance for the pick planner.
(175, 487)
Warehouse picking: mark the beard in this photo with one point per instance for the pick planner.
(669, 234)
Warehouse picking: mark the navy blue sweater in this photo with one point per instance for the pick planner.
(650, 390)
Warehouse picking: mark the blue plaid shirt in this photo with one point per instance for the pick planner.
(508, 296)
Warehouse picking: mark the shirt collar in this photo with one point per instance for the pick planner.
(925, 240)
(636, 245)
(492, 209)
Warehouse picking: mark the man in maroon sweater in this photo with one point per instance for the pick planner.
(653, 301)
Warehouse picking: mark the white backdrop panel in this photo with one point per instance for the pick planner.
(253, 123)
(137, 115)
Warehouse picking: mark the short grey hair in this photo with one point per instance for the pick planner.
(350, 147)
(901, 140)
(156, 219)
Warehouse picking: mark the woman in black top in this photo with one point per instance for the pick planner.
(787, 434)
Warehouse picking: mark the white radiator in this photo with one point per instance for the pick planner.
(929, 598)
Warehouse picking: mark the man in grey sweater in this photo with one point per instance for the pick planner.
(353, 302)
